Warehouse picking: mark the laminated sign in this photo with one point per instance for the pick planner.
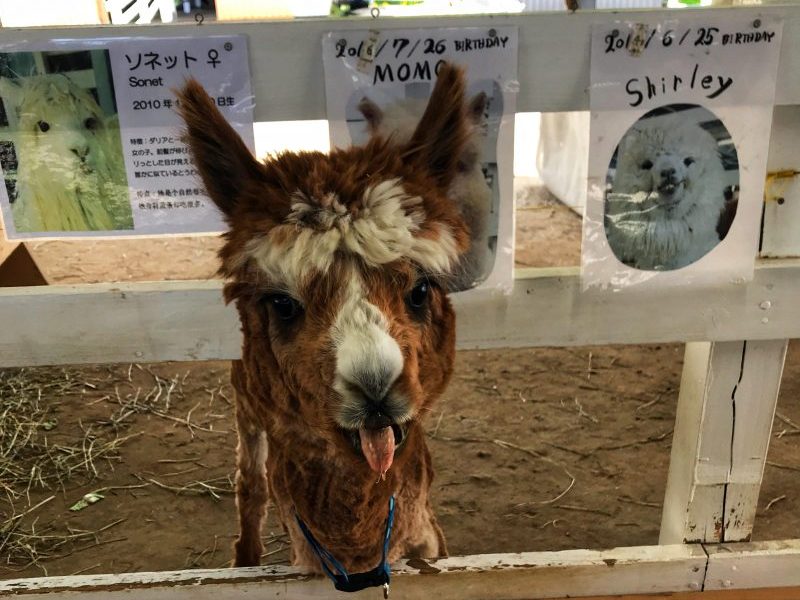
(680, 126)
(90, 138)
(377, 83)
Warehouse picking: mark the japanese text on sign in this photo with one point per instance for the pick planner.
(165, 195)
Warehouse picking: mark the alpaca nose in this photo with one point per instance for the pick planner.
(376, 393)
(668, 173)
(80, 151)
(374, 385)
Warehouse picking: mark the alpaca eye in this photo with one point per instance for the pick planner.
(43, 126)
(647, 165)
(285, 307)
(418, 296)
(91, 123)
(688, 161)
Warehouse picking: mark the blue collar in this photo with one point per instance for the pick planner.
(353, 582)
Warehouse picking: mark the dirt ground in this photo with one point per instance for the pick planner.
(535, 449)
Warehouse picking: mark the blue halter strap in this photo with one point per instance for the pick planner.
(353, 582)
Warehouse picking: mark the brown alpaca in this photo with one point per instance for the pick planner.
(337, 264)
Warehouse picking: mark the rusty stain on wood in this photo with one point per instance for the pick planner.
(777, 179)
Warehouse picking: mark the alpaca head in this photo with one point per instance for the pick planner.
(337, 265)
(58, 123)
(671, 159)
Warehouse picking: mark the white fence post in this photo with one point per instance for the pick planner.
(725, 410)
(782, 193)
(141, 11)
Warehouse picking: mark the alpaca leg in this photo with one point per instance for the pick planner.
(251, 486)
(430, 542)
(251, 495)
(440, 541)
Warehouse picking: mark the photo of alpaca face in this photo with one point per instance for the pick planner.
(474, 189)
(69, 173)
(672, 189)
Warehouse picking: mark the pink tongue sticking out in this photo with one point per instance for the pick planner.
(378, 448)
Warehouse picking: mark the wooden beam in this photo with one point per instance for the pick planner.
(761, 594)
(186, 320)
(529, 576)
(727, 401)
(781, 235)
(757, 571)
(693, 506)
(755, 565)
(286, 55)
(102, 13)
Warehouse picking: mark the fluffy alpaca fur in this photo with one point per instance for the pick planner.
(469, 189)
(667, 196)
(334, 262)
(70, 174)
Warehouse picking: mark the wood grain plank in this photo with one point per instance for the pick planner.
(761, 594)
(187, 320)
(647, 569)
(728, 395)
(781, 233)
(754, 565)
(734, 572)
(288, 52)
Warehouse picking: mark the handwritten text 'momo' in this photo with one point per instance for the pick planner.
(423, 70)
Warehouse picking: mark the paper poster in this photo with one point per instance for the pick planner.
(680, 126)
(90, 139)
(378, 83)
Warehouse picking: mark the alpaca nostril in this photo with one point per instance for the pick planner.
(374, 385)
(81, 153)
(668, 173)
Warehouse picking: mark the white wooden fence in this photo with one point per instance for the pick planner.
(736, 339)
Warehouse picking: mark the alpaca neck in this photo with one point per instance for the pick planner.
(334, 491)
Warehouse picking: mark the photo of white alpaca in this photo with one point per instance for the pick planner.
(666, 201)
(469, 188)
(70, 173)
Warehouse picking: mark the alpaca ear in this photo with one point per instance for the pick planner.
(630, 139)
(477, 107)
(442, 132)
(372, 113)
(10, 92)
(223, 159)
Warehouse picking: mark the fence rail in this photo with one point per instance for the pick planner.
(525, 576)
(187, 320)
(553, 53)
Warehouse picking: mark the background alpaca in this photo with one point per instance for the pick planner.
(469, 188)
(667, 197)
(336, 262)
(70, 174)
